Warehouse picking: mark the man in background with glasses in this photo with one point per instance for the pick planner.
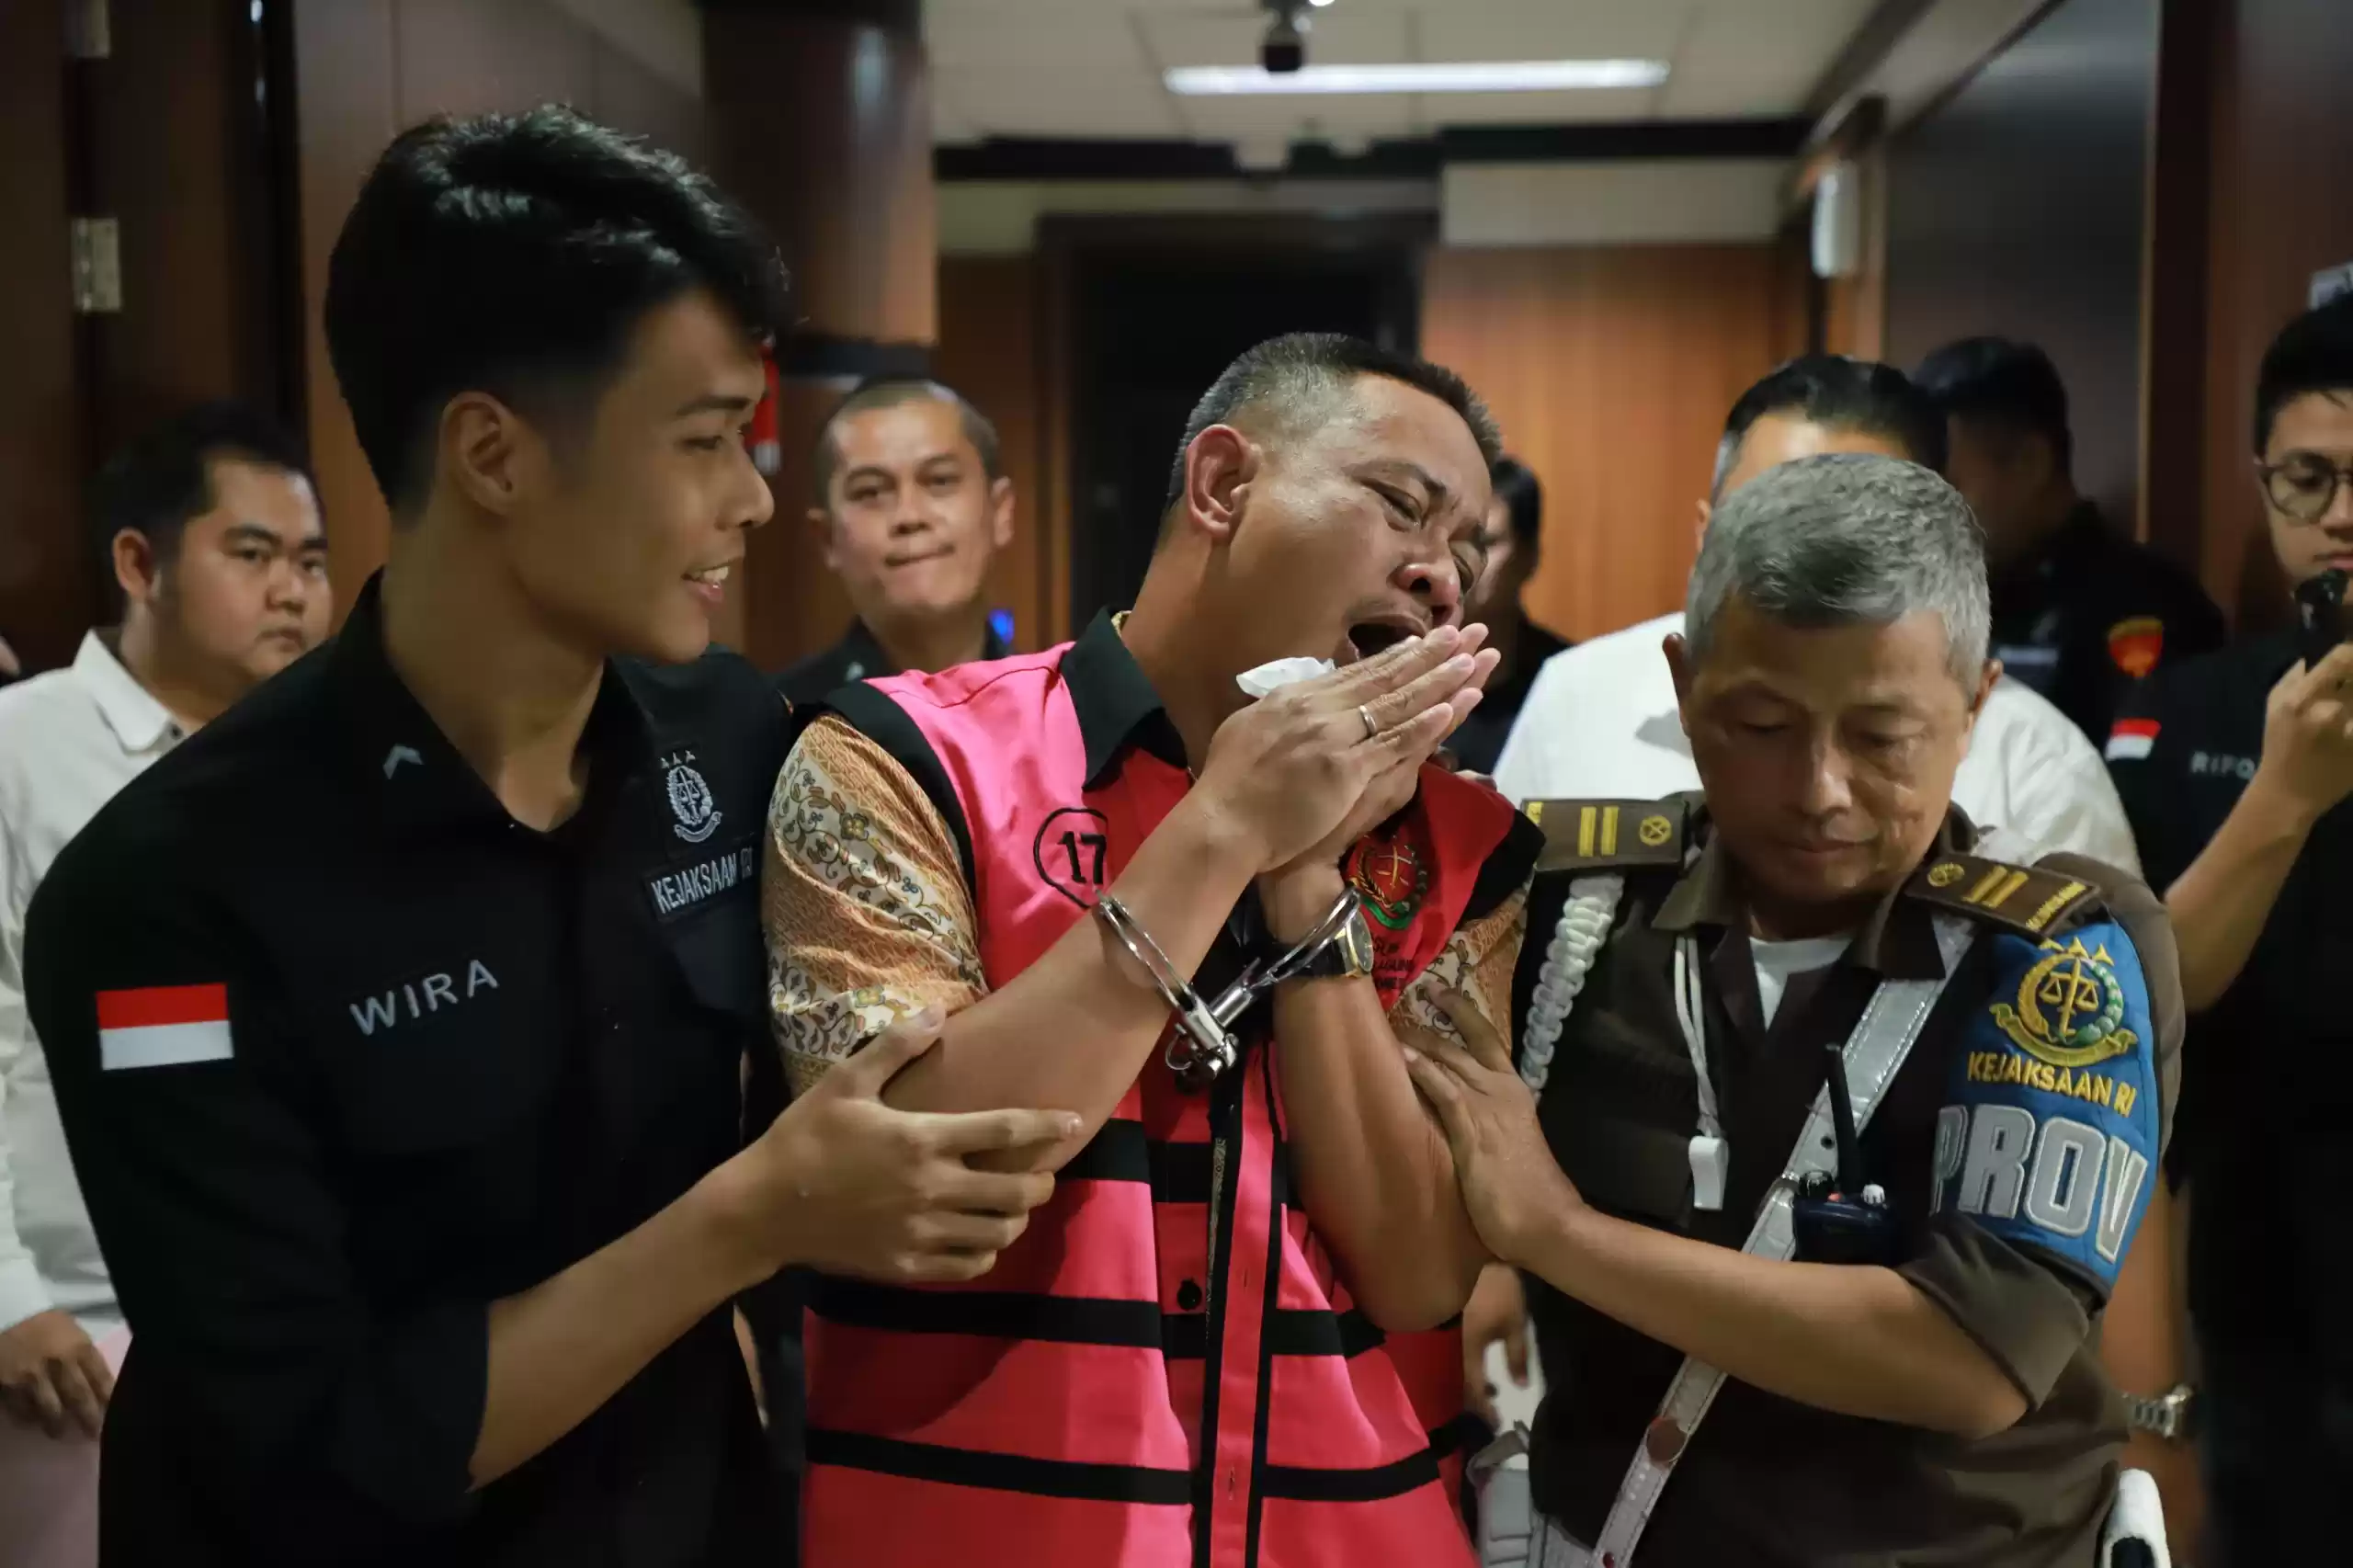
(2234, 768)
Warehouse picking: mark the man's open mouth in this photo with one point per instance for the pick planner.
(1366, 638)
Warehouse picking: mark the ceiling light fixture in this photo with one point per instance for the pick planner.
(1439, 76)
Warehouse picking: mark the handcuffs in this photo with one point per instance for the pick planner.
(1201, 1046)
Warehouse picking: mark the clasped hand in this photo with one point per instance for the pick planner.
(1305, 772)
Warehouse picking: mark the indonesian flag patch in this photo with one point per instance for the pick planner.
(164, 1026)
(2137, 644)
(2132, 739)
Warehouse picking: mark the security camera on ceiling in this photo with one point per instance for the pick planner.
(1284, 49)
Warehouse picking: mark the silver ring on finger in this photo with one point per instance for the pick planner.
(1364, 712)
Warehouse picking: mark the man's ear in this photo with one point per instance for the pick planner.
(1678, 668)
(1707, 512)
(1000, 512)
(489, 453)
(1986, 680)
(138, 569)
(821, 522)
(1219, 466)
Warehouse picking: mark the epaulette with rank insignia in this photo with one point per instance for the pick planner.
(2033, 900)
(1597, 835)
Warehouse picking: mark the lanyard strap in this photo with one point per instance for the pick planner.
(1875, 1053)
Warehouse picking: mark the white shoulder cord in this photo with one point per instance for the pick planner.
(1576, 940)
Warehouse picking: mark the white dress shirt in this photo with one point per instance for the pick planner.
(68, 740)
(1601, 723)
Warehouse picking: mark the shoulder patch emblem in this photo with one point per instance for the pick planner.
(2136, 644)
(1590, 835)
(2025, 898)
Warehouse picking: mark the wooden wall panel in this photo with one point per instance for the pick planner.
(48, 581)
(2281, 151)
(1611, 371)
(179, 157)
(989, 349)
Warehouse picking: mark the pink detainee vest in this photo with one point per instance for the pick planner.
(1119, 1392)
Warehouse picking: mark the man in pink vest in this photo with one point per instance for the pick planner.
(1214, 1348)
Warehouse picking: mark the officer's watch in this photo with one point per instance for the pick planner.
(2169, 1416)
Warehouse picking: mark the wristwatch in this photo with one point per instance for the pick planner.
(2169, 1416)
(1347, 955)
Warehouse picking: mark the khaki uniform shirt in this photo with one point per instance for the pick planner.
(1766, 1481)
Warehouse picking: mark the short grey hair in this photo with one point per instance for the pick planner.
(1844, 539)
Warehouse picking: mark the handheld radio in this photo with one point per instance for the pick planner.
(1842, 1217)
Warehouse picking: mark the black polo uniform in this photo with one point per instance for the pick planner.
(2267, 1130)
(860, 655)
(345, 1054)
(2091, 612)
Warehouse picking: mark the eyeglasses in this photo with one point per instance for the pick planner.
(2303, 485)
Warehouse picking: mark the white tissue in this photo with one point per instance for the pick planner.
(1270, 678)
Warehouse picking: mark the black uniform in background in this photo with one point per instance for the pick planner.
(2266, 1127)
(2091, 612)
(858, 655)
(454, 1055)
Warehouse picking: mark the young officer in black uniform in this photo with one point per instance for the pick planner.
(2234, 769)
(399, 1020)
(2080, 610)
(1919, 1384)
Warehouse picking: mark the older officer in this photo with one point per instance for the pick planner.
(1892, 1356)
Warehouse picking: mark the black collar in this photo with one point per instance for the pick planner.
(860, 655)
(1115, 703)
(421, 780)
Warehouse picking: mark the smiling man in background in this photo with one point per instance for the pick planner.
(913, 503)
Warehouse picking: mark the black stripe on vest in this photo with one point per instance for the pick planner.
(1465, 1431)
(1180, 1173)
(1299, 1331)
(1118, 1151)
(1300, 1485)
(1000, 1472)
(1001, 1314)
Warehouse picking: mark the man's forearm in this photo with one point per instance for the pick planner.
(1073, 1030)
(2219, 905)
(1857, 1340)
(1374, 1168)
(559, 1350)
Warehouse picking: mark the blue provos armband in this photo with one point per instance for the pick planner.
(2048, 1136)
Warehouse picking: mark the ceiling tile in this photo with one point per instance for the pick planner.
(1561, 29)
(963, 36)
(1230, 35)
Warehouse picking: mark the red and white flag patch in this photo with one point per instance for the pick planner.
(164, 1026)
(2132, 739)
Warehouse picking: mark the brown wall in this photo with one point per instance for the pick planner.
(47, 594)
(1610, 371)
(991, 350)
(363, 69)
(2280, 208)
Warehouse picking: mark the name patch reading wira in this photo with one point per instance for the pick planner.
(690, 887)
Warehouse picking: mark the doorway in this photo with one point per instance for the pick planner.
(1156, 309)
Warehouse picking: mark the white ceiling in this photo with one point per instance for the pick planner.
(1092, 68)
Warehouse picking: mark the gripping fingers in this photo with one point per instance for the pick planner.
(989, 1131)
(972, 1233)
(996, 1192)
(1389, 669)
